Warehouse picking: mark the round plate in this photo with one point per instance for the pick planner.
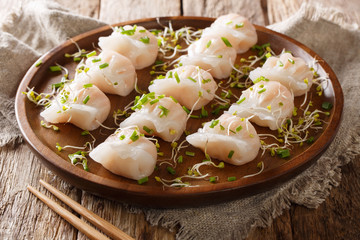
(102, 182)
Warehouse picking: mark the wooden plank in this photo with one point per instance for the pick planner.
(215, 8)
(134, 224)
(113, 11)
(23, 216)
(88, 8)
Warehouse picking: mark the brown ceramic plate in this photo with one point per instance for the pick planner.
(102, 182)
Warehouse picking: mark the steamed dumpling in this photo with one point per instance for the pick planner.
(159, 116)
(85, 106)
(111, 72)
(267, 102)
(127, 153)
(292, 72)
(228, 138)
(212, 54)
(134, 42)
(237, 29)
(187, 84)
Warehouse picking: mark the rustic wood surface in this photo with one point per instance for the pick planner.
(22, 216)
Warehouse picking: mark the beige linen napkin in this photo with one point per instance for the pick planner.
(39, 26)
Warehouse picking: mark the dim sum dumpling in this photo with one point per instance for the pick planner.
(111, 72)
(134, 42)
(127, 153)
(189, 85)
(228, 138)
(292, 72)
(159, 116)
(85, 106)
(211, 54)
(267, 102)
(237, 29)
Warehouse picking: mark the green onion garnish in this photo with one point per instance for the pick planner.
(180, 159)
(190, 78)
(214, 123)
(55, 68)
(186, 110)
(122, 137)
(208, 44)
(177, 77)
(291, 61)
(84, 133)
(231, 179)
(164, 112)
(38, 63)
(148, 130)
(93, 53)
(310, 139)
(239, 25)
(145, 40)
(154, 101)
(231, 153)
(280, 64)
(241, 100)
(134, 136)
(175, 101)
(143, 180)
(171, 170)
(57, 85)
(262, 90)
(227, 43)
(104, 65)
(238, 128)
(191, 154)
(88, 85)
(326, 105)
(86, 99)
(96, 60)
(204, 113)
(283, 153)
(212, 179)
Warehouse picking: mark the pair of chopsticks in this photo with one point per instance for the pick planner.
(83, 227)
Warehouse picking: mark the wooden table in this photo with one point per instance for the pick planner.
(22, 216)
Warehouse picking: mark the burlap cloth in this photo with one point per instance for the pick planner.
(39, 26)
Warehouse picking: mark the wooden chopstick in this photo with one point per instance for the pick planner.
(89, 231)
(99, 222)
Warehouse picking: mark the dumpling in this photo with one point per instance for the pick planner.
(211, 53)
(228, 138)
(292, 72)
(134, 42)
(189, 84)
(85, 106)
(237, 29)
(127, 153)
(111, 72)
(267, 103)
(159, 116)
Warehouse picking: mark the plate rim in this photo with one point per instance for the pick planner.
(297, 163)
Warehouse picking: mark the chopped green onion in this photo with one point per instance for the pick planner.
(134, 136)
(38, 63)
(154, 101)
(180, 159)
(310, 139)
(190, 78)
(55, 68)
(239, 25)
(268, 55)
(93, 53)
(221, 165)
(145, 40)
(175, 101)
(262, 90)
(227, 43)
(231, 179)
(283, 153)
(186, 110)
(164, 112)
(96, 60)
(177, 77)
(122, 137)
(143, 180)
(88, 85)
(208, 44)
(171, 170)
(142, 30)
(231, 153)
(86, 99)
(326, 105)
(230, 22)
(191, 154)
(148, 130)
(238, 128)
(280, 64)
(291, 61)
(84, 133)
(104, 65)
(57, 85)
(241, 100)
(204, 113)
(206, 80)
(212, 179)
(214, 123)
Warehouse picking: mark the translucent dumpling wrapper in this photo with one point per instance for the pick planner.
(191, 86)
(237, 29)
(266, 103)
(212, 54)
(111, 72)
(85, 106)
(158, 116)
(127, 153)
(134, 42)
(229, 138)
(290, 71)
